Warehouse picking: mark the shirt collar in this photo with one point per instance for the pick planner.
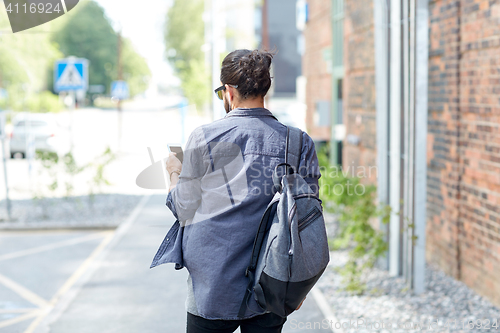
(254, 112)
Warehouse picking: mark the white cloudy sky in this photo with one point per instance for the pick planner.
(143, 22)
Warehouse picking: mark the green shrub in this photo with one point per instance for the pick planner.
(44, 102)
(354, 204)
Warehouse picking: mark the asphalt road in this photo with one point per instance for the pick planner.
(35, 269)
(100, 281)
(75, 281)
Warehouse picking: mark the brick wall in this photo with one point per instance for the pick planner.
(359, 85)
(479, 95)
(463, 227)
(463, 152)
(318, 37)
(443, 170)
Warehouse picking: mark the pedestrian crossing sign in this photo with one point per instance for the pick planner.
(119, 90)
(71, 74)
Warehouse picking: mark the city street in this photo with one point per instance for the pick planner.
(99, 281)
(38, 267)
(121, 293)
(399, 98)
(153, 122)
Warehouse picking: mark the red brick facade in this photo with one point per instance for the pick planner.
(443, 169)
(318, 37)
(463, 203)
(359, 85)
(463, 227)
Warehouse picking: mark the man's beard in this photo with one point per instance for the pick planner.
(227, 106)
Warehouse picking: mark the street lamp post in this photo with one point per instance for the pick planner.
(119, 104)
(4, 157)
(4, 160)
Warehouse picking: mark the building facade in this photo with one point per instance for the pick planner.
(463, 124)
(464, 142)
(359, 86)
(275, 26)
(316, 67)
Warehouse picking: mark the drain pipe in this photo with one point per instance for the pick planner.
(381, 31)
(421, 91)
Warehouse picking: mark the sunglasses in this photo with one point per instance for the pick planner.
(219, 90)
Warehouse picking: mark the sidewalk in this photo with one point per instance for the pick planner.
(124, 295)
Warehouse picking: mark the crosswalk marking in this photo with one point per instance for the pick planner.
(23, 292)
(44, 306)
(53, 246)
(19, 319)
(71, 281)
(17, 310)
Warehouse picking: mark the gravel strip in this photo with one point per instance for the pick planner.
(447, 305)
(105, 211)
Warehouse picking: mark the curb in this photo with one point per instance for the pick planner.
(56, 226)
(62, 225)
(325, 308)
(50, 315)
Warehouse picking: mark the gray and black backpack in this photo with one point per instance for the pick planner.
(290, 250)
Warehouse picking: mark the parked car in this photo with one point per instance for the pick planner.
(47, 134)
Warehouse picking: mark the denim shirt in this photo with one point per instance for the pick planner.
(224, 187)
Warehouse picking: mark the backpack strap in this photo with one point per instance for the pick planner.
(293, 148)
(257, 245)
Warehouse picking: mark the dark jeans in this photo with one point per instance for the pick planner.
(266, 323)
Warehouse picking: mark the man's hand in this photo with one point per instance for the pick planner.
(174, 168)
(173, 163)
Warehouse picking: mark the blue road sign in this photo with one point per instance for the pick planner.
(119, 89)
(71, 74)
(3, 93)
(2, 125)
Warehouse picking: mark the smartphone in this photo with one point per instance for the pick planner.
(176, 148)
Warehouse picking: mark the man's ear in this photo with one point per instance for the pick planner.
(230, 91)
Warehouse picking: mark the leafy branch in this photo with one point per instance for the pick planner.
(53, 171)
(98, 180)
(49, 162)
(355, 210)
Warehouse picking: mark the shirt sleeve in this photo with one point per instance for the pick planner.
(185, 198)
(170, 204)
(309, 165)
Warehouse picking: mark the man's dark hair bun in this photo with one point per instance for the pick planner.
(250, 70)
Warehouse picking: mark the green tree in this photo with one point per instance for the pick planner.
(184, 37)
(88, 33)
(135, 69)
(26, 63)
